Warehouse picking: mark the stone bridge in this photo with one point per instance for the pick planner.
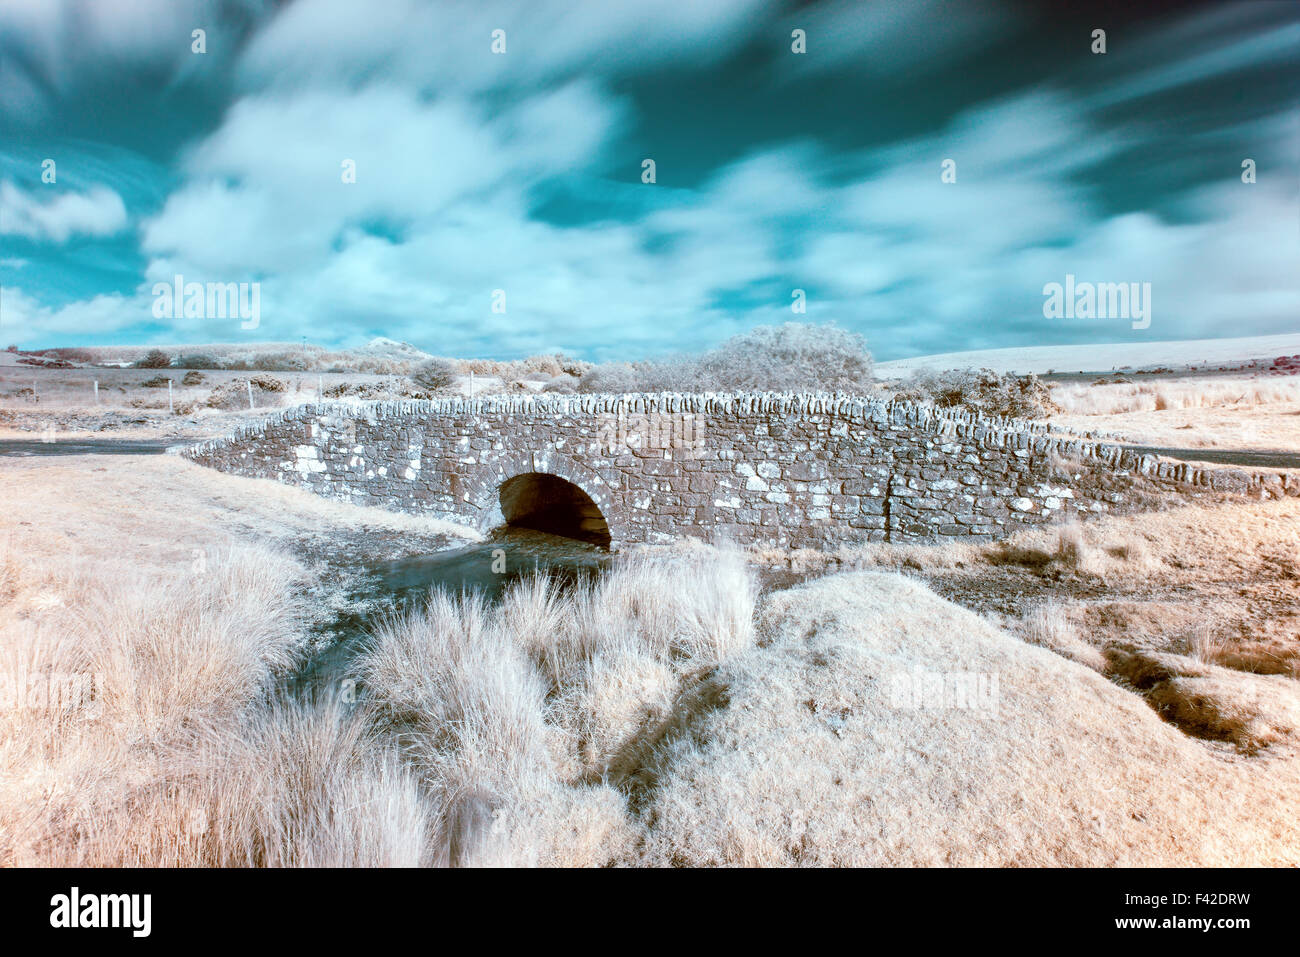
(779, 469)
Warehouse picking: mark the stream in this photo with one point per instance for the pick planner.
(395, 587)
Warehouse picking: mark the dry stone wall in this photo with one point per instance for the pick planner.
(779, 469)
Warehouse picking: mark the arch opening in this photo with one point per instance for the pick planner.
(548, 503)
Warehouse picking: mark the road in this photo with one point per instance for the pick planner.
(28, 447)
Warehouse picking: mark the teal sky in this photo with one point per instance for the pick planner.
(522, 171)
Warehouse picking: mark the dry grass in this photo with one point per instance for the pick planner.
(807, 758)
(312, 786)
(1251, 712)
(646, 719)
(1205, 644)
(1101, 548)
(147, 662)
(1162, 395)
(167, 513)
(1073, 551)
(1153, 579)
(126, 586)
(1192, 412)
(521, 720)
(1049, 626)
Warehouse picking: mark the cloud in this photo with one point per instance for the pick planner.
(265, 192)
(60, 49)
(902, 39)
(1218, 42)
(96, 212)
(27, 321)
(446, 47)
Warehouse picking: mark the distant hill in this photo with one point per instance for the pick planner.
(1105, 357)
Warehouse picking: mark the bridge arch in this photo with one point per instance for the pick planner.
(550, 492)
(548, 503)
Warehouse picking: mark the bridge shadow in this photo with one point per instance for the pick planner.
(548, 503)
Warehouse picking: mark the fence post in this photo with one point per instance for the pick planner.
(171, 407)
(96, 392)
(250, 393)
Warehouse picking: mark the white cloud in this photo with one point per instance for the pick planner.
(445, 47)
(265, 191)
(97, 212)
(27, 321)
(65, 46)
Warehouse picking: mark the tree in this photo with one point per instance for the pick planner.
(435, 374)
(155, 359)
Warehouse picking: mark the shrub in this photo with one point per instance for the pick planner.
(563, 384)
(610, 377)
(572, 367)
(83, 356)
(795, 357)
(436, 374)
(197, 362)
(267, 383)
(234, 394)
(982, 390)
(192, 378)
(157, 382)
(281, 362)
(362, 390)
(154, 359)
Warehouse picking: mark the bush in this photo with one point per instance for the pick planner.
(197, 362)
(267, 383)
(281, 362)
(435, 374)
(982, 390)
(154, 359)
(192, 378)
(363, 390)
(563, 384)
(234, 394)
(157, 382)
(795, 357)
(83, 356)
(611, 377)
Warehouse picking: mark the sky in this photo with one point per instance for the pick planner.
(500, 206)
